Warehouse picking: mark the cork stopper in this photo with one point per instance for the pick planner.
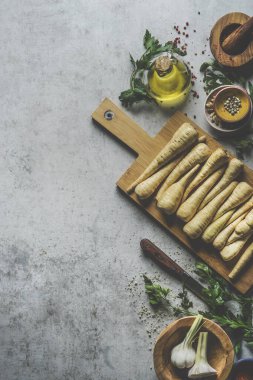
(163, 65)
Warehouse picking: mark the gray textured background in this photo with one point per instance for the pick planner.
(69, 239)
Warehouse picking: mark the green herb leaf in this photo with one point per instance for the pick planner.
(150, 42)
(156, 294)
(243, 147)
(185, 304)
(204, 66)
(132, 61)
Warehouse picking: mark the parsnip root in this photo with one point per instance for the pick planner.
(188, 208)
(171, 198)
(222, 238)
(217, 159)
(243, 228)
(204, 217)
(197, 155)
(231, 251)
(185, 137)
(146, 188)
(234, 168)
(242, 262)
(215, 227)
(241, 193)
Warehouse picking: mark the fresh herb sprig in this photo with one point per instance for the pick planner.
(217, 295)
(138, 90)
(216, 75)
(157, 295)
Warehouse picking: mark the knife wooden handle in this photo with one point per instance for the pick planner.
(160, 257)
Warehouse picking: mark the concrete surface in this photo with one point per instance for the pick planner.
(69, 240)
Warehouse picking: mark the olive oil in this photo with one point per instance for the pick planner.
(169, 81)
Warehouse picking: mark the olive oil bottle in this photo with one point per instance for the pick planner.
(169, 81)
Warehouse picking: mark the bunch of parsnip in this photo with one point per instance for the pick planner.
(200, 186)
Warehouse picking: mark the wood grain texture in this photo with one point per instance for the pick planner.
(225, 23)
(147, 147)
(220, 354)
(232, 44)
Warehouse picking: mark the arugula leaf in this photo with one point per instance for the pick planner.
(138, 90)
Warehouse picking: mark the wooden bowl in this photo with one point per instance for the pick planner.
(220, 353)
(222, 96)
(225, 24)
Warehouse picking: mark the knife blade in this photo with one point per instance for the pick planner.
(160, 257)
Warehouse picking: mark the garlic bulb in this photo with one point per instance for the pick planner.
(183, 355)
(201, 367)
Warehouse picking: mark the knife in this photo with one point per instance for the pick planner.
(155, 253)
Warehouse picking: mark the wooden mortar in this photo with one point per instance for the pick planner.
(231, 39)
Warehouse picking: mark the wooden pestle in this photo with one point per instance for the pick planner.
(232, 43)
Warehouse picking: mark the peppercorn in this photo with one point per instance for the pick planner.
(232, 105)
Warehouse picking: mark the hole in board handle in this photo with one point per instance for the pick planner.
(109, 115)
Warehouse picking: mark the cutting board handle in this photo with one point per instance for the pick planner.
(121, 126)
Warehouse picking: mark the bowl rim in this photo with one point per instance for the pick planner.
(243, 360)
(219, 128)
(229, 88)
(238, 363)
(220, 334)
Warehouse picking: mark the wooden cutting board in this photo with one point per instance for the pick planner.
(146, 147)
